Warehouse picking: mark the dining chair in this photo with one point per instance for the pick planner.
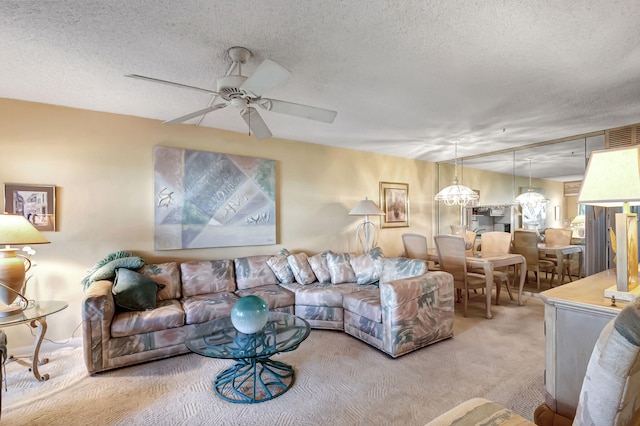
(453, 259)
(416, 247)
(525, 243)
(497, 242)
(471, 241)
(559, 237)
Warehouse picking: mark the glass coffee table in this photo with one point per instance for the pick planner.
(254, 377)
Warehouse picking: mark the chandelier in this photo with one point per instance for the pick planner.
(456, 194)
(530, 199)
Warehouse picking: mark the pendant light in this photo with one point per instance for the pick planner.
(530, 199)
(456, 194)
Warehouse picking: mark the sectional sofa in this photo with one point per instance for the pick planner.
(393, 304)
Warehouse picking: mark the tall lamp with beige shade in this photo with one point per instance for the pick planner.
(612, 179)
(366, 233)
(14, 230)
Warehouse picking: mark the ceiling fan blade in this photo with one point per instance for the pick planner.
(299, 110)
(170, 83)
(195, 114)
(255, 123)
(267, 76)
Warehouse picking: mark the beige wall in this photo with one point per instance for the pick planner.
(102, 167)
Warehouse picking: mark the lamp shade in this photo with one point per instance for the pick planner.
(366, 207)
(612, 178)
(578, 220)
(16, 229)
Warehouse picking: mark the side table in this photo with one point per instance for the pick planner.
(36, 315)
(574, 316)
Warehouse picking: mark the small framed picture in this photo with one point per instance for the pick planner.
(394, 202)
(37, 203)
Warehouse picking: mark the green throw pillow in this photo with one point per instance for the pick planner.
(134, 291)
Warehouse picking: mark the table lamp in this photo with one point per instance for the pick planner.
(14, 229)
(366, 229)
(612, 179)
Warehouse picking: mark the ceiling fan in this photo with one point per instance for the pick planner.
(245, 93)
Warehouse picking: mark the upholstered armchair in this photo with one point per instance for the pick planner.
(610, 394)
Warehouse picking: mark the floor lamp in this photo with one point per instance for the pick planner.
(16, 230)
(366, 233)
(612, 179)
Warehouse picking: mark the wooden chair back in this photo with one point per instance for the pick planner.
(526, 244)
(452, 256)
(415, 246)
(558, 236)
(496, 242)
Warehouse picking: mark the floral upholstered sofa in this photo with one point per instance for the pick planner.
(393, 304)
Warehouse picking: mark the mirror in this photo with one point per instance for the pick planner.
(500, 177)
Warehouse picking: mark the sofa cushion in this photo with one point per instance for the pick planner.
(280, 268)
(364, 302)
(319, 266)
(368, 267)
(395, 268)
(206, 277)
(167, 274)
(340, 268)
(167, 314)
(134, 291)
(301, 269)
(253, 271)
(318, 294)
(275, 295)
(205, 307)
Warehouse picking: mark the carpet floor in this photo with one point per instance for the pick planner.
(339, 380)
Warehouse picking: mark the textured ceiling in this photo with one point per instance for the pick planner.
(406, 77)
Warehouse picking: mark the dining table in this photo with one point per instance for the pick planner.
(559, 251)
(489, 262)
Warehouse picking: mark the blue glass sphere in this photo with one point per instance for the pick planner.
(249, 314)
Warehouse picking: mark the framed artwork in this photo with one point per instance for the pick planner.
(208, 199)
(37, 203)
(394, 202)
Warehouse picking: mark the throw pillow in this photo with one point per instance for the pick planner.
(108, 271)
(301, 269)
(319, 266)
(368, 266)
(280, 267)
(134, 291)
(340, 268)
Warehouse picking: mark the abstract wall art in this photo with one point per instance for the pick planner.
(207, 199)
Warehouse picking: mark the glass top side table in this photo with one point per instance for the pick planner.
(35, 315)
(254, 377)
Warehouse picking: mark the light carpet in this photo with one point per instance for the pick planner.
(339, 381)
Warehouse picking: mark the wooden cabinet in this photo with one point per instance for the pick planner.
(574, 316)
